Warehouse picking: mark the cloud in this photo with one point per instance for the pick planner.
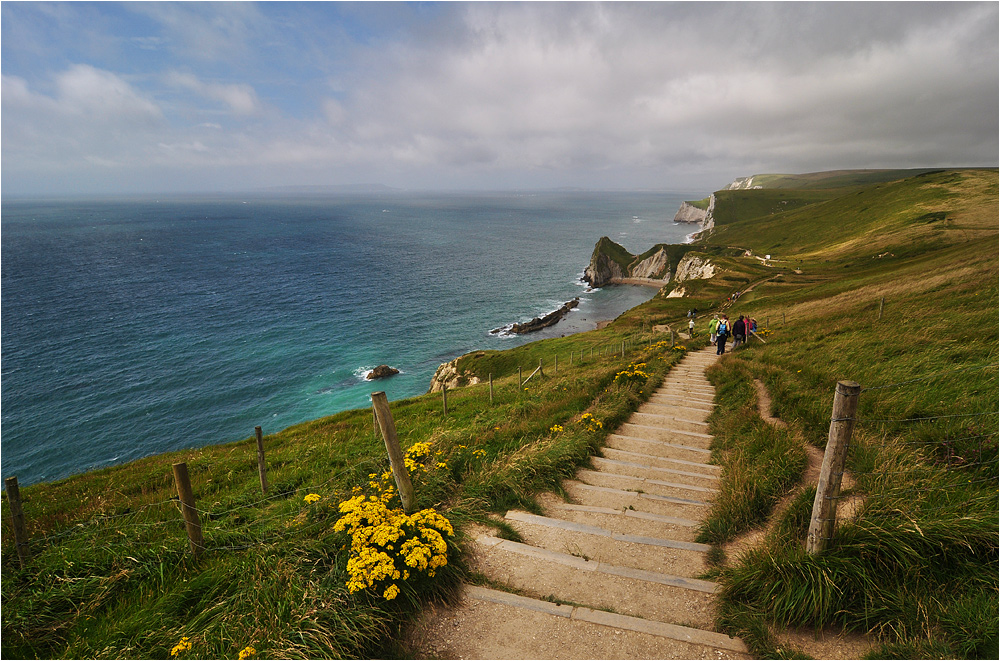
(239, 97)
(518, 94)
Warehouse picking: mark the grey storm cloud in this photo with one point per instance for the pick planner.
(509, 94)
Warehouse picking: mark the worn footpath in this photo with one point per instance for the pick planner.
(613, 572)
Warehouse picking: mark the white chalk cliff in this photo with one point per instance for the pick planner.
(656, 266)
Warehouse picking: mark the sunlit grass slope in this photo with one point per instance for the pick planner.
(914, 557)
(916, 563)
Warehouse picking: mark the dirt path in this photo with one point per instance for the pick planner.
(612, 573)
(822, 644)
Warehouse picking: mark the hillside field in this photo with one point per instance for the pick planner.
(886, 279)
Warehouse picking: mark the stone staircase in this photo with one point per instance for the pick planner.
(613, 574)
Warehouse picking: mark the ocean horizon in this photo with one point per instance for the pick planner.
(144, 324)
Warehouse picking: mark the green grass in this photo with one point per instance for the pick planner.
(112, 577)
(916, 564)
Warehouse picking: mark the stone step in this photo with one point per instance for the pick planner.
(671, 421)
(658, 554)
(674, 399)
(671, 435)
(649, 485)
(688, 378)
(503, 620)
(706, 394)
(588, 494)
(625, 464)
(666, 449)
(621, 520)
(543, 573)
(690, 412)
(699, 468)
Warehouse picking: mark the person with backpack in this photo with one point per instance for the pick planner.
(713, 327)
(739, 332)
(723, 333)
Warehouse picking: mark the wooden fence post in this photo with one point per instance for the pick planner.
(555, 364)
(491, 388)
(381, 405)
(444, 397)
(17, 521)
(186, 496)
(519, 382)
(261, 466)
(881, 303)
(540, 370)
(824, 512)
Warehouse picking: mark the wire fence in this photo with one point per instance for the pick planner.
(235, 527)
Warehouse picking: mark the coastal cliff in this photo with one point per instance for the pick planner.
(610, 263)
(700, 212)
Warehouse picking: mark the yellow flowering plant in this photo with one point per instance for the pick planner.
(389, 546)
(590, 422)
(634, 373)
(247, 652)
(182, 646)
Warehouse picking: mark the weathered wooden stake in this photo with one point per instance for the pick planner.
(824, 512)
(881, 303)
(261, 466)
(191, 521)
(540, 370)
(381, 405)
(519, 382)
(555, 364)
(491, 388)
(444, 397)
(17, 520)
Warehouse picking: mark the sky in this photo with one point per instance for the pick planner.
(140, 97)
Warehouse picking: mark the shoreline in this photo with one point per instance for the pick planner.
(644, 282)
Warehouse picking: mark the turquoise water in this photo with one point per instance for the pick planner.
(137, 326)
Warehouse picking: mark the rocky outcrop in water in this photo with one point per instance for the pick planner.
(538, 323)
(609, 261)
(381, 372)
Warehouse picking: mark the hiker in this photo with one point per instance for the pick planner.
(713, 327)
(739, 332)
(723, 331)
(691, 329)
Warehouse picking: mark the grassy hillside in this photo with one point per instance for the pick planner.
(913, 560)
(834, 178)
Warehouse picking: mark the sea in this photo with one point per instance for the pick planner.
(134, 326)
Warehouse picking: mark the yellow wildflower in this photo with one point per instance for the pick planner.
(182, 646)
(312, 498)
(247, 652)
